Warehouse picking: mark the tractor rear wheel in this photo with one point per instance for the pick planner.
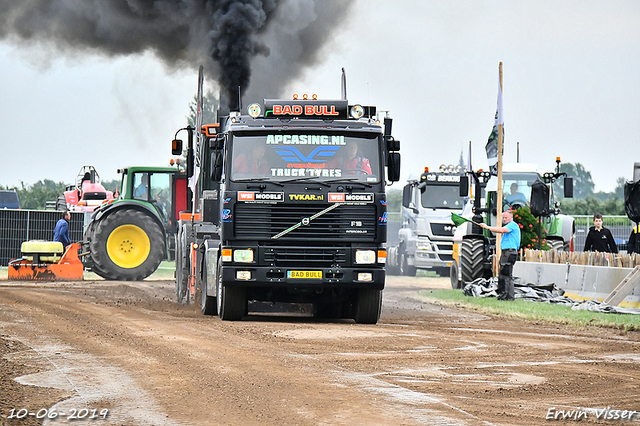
(127, 245)
(471, 259)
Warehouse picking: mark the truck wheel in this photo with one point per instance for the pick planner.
(182, 266)
(127, 245)
(208, 303)
(368, 306)
(232, 300)
(405, 268)
(453, 275)
(391, 266)
(471, 259)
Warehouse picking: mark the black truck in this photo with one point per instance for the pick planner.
(289, 207)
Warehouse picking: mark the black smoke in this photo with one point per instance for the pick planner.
(226, 36)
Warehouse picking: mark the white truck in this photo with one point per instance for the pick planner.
(425, 240)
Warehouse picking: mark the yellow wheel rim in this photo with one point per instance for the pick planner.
(128, 246)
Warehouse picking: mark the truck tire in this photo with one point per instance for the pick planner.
(182, 266)
(368, 306)
(471, 259)
(391, 266)
(231, 300)
(405, 268)
(127, 245)
(208, 303)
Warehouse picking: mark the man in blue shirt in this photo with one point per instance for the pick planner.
(61, 233)
(509, 245)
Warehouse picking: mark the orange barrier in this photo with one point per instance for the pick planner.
(68, 268)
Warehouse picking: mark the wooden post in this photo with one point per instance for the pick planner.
(499, 207)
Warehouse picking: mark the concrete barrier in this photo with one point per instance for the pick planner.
(580, 282)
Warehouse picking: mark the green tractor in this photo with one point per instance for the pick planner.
(474, 248)
(127, 237)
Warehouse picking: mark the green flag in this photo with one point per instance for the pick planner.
(458, 220)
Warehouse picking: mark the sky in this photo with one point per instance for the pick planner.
(571, 89)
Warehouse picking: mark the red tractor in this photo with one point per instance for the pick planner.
(87, 194)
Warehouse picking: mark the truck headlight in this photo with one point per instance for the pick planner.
(243, 256)
(365, 257)
(423, 244)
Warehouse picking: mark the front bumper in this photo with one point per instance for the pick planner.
(274, 277)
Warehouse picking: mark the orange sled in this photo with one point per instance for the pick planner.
(44, 261)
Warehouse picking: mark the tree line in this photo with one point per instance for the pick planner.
(585, 201)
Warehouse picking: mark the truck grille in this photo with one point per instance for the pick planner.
(263, 221)
(442, 229)
(307, 257)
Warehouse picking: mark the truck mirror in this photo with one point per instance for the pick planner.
(539, 203)
(393, 167)
(464, 186)
(176, 147)
(216, 166)
(392, 144)
(568, 187)
(406, 196)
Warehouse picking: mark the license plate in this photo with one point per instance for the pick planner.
(314, 275)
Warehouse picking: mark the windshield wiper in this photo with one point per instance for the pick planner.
(349, 180)
(300, 179)
(258, 180)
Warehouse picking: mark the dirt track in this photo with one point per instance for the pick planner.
(129, 348)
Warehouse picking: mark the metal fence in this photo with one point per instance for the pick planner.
(18, 226)
(620, 227)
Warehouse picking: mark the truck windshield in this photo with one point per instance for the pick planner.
(307, 155)
(442, 197)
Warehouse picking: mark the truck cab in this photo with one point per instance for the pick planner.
(291, 208)
(425, 240)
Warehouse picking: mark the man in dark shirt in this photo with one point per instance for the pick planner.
(599, 238)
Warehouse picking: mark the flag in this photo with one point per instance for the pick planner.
(458, 220)
(492, 143)
(193, 179)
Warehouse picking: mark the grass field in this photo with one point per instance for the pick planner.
(538, 311)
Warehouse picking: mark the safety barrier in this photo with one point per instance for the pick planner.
(580, 282)
(18, 226)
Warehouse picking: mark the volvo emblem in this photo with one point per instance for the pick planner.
(305, 221)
